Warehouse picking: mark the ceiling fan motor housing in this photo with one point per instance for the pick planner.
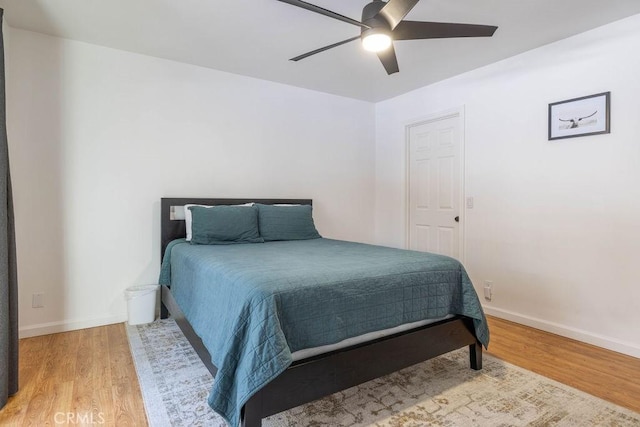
(372, 19)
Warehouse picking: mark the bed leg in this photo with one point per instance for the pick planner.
(250, 417)
(475, 356)
(164, 311)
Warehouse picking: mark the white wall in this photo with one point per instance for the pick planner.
(97, 136)
(555, 224)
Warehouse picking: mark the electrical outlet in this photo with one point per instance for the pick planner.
(488, 290)
(37, 300)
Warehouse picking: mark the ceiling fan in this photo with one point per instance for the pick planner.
(382, 24)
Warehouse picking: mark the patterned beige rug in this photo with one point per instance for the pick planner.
(439, 392)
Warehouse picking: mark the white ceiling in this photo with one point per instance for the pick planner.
(256, 37)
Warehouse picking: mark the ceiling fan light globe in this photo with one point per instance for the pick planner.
(376, 42)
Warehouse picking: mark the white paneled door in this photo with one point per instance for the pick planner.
(435, 185)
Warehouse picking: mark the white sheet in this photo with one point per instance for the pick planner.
(314, 351)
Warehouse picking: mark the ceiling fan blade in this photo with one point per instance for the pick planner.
(322, 49)
(414, 30)
(325, 12)
(389, 60)
(395, 10)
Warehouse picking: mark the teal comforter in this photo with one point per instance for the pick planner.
(255, 304)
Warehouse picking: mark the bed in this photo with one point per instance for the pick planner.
(285, 377)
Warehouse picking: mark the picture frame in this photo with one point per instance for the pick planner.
(587, 115)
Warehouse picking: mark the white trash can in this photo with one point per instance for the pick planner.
(141, 303)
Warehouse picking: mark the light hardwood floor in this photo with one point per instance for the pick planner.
(88, 375)
(609, 375)
(83, 377)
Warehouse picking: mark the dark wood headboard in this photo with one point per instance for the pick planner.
(174, 228)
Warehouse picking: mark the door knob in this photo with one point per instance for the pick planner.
(457, 219)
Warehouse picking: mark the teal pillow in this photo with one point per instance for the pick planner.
(286, 222)
(222, 225)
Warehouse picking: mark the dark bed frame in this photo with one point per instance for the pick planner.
(315, 377)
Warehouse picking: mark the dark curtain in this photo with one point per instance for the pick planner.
(8, 271)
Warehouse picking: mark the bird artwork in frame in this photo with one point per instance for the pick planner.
(588, 115)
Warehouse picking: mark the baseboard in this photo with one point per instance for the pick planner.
(567, 331)
(68, 325)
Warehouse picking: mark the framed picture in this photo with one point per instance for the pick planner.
(589, 115)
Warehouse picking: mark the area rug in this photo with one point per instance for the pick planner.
(439, 392)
